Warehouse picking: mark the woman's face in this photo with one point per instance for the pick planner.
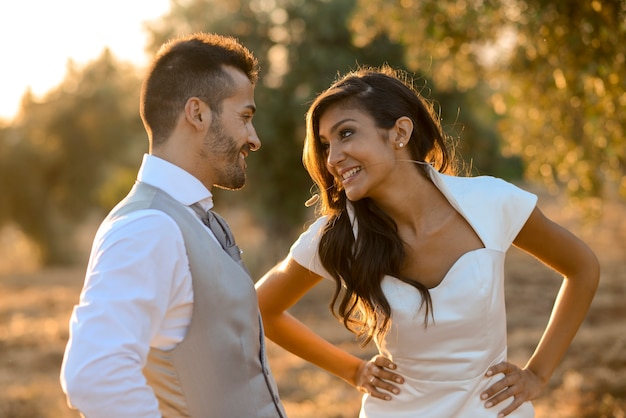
(358, 154)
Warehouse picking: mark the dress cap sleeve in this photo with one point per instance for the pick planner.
(495, 208)
(305, 249)
(507, 207)
(516, 210)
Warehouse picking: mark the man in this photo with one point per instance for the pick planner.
(168, 322)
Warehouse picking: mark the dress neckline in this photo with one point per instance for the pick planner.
(438, 179)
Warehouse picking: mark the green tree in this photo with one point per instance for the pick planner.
(301, 46)
(555, 70)
(64, 155)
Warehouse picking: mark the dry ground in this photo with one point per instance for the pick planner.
(591, 382)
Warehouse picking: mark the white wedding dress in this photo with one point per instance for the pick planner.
(444, 364)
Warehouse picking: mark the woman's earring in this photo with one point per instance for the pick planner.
(401, 144)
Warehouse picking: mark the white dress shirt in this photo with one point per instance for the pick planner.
(137, 294)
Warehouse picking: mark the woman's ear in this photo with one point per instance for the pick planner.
(402, 131)
(197, 113)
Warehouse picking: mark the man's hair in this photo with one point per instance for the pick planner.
(190, 66)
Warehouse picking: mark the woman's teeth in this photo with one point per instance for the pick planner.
(350, 173)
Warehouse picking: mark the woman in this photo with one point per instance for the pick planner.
(417, 256)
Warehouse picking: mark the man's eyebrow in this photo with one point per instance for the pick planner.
(252, 108)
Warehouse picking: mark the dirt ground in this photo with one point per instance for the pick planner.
(35, 306)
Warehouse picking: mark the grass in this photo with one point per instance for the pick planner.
(35, 305)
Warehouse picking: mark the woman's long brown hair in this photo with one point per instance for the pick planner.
(359, 265)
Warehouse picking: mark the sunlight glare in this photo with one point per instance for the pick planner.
(39, 36)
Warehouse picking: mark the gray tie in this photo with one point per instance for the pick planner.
(224, 235)
(222, 232)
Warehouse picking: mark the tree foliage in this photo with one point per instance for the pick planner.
(549, 75)
(62, 155)
(555, 70)
(302, 46)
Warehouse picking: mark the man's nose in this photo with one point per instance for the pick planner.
(253, 139)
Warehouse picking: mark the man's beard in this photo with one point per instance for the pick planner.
(225, 156)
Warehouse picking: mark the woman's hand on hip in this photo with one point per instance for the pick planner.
(374, 377)
(520, 384)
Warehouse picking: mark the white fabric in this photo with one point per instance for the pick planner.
(444, 364)
(137, 294)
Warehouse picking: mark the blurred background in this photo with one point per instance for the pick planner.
(533, 91)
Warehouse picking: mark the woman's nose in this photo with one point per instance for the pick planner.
(335, 155)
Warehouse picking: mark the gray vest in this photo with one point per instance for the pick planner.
(220, 368)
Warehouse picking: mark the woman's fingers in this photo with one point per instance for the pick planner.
(520, 384)
(375, 378)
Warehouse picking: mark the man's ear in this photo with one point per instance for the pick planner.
(197, 113)
(401, 131)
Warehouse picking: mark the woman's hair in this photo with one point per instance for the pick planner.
(360, 264)
(191, 66)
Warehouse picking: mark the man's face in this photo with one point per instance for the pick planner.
(232, 136)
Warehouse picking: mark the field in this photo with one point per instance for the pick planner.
(35, 305)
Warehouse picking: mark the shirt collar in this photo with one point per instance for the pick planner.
(175, 181)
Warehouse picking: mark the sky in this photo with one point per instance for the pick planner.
(37, 37)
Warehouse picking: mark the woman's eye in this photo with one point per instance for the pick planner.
(344, 133)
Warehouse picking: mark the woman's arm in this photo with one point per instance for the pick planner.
(562, 251)
(280, 289)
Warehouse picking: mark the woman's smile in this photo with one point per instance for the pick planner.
(349, 175)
